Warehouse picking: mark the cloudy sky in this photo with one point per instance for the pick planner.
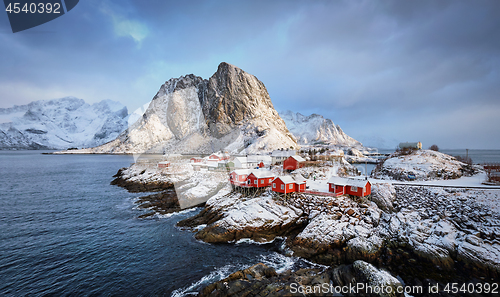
(385, 71)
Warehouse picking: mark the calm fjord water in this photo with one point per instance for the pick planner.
(66, 231)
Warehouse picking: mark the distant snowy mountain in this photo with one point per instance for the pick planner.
(61, 123)
(315, 128)
(231, 111)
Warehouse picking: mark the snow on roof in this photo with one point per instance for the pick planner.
(336, 180)
(298, 158)
(279, 153)
(242, 171)
(259, 158)
(261, 173)
(287, 179)
(164, 162)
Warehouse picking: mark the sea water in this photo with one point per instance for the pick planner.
(66, 231)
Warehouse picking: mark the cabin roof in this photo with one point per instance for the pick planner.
(337, 180)
(298, 158)
(242, 171)
(260, 173)
(288, 179)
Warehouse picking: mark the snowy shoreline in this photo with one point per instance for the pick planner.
(414, 232)
(409, 235)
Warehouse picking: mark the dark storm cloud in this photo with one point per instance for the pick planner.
(386, 71)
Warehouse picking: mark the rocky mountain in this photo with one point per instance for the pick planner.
(231, 111)
(316, 129)
(61, 123)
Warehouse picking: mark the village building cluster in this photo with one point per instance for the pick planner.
(253, 172)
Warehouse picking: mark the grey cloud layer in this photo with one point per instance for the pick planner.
(391, 70)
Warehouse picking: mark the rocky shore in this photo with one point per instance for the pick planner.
(261, 280)
(425, 235)
(179, 187)
(137, 182)
(164, 202)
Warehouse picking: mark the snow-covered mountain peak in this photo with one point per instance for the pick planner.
(316, 129)
(61, 123)
(181, 83)
(230, 111)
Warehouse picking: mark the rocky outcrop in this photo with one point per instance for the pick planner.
(383, 195)
(134, 184)
(161, 203)
(261, 280)
(233, 217)
(231, 111)
(357, 279)
(423, 165)
(423, 232)
(451, 227)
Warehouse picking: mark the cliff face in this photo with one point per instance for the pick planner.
(231, 111)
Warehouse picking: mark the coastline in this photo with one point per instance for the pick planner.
(400, 230)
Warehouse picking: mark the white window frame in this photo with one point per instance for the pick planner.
(262, 181)
(290, 186)
(255, 182)
(274, 185)
(282, 187)
(354, 188)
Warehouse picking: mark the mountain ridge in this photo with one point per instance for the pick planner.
(316, 129)
(61, 124)
(231, 111)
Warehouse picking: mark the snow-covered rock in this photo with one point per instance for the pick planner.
(61, 123)
(231, 111)
(383, 195)
(424, 165)
(375, 278)
(315, 129)
(259, 219)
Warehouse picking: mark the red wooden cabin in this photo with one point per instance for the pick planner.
(218, 157)
(260, 178)
(288, 184)
(293, 163)
(350, 186)
(163, 164)
(196, 160)
(239, 177)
